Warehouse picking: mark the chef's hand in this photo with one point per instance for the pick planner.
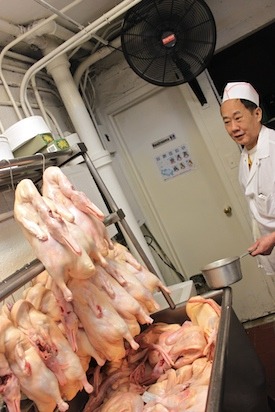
(263, 246)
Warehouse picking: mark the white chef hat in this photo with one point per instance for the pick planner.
(240, 90)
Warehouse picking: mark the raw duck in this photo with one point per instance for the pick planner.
(180, 398)
(124, 402)
(125, 304)
(134, 286)
(154, 371)
(120, 253)
(43, 299)
(37, 382)
(147, 278)
(57, 187)
(186, 344)
(87, 218)
(52, 347)
(86, 351)
(49, 237)
(55, 306)
(9, 385)
(99, 312)
(105, 328)
(206, 314)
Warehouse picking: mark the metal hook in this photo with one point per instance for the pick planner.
(43, 161)
(11, 174)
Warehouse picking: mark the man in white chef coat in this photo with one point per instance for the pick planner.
(242, 119)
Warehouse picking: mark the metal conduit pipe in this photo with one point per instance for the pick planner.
(50, 27)
(10, 28)
(77, 39)
(45, 112)
(98, 55)
(40, 103)
(59, 132)
(59, 13)
(42, 76)
(38, 29)
(20, 57)
(53, 29)
(18, 40)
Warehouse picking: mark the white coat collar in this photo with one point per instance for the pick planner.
(261, 153)
(263, 143)
(262, 146)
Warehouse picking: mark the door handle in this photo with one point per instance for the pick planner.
(228, 210)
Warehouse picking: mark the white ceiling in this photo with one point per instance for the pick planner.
(24, 12)
(234, 19)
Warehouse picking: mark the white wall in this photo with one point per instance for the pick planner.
(14, 249)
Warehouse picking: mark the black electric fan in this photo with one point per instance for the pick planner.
(168, 42)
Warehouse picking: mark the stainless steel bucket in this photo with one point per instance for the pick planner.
(223, 272)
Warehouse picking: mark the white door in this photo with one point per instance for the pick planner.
(186, 212)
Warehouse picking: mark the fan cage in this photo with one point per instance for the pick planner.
(168, 42)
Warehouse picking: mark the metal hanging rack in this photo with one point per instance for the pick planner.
(14, 170)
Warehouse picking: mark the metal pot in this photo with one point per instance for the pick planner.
(223, 272)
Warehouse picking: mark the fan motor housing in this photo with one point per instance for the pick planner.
(168, 42)
(168, 39)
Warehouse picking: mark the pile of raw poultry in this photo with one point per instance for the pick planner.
(78, 325)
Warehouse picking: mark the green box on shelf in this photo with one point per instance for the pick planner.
(58, 144)
(37, 144)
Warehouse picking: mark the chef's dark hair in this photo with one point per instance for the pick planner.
(249, 105)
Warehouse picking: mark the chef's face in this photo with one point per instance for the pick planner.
(242, 124)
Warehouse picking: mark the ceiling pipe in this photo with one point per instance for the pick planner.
(59, 69)
(9, 28)
(39, 102)
(53, 29)
(59, 13)
(61, 74)
(40, 28)
(98, 55)
(14, 43)
(76, 40)
(20, 57)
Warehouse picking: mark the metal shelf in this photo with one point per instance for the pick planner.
(12, 171)
(19, 278)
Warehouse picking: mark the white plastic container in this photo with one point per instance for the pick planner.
(72, 139)
(180, 292)
(5, 149)
(21, 132)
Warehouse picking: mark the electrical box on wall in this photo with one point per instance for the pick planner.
(106, 139)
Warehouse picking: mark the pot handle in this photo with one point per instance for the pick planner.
(245, 254)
